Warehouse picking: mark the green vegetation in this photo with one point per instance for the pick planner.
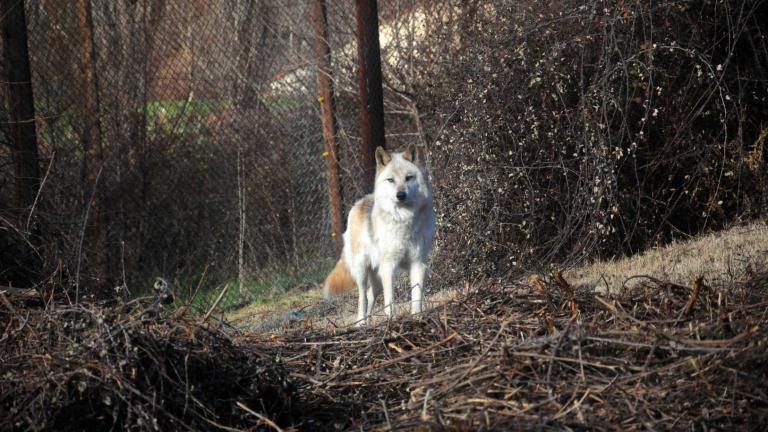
(266, 289)
(175, 108)
(183, 116)
(280, 104)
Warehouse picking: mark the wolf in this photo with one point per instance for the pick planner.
(388, 231)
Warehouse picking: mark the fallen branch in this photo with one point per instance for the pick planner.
(216, 303)
(269, 422)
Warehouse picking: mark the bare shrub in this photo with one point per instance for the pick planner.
(568, 129)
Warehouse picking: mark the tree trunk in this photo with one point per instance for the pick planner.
(93, 156)
(22, 135)
(328, 108)
(369, 81)
(19, 254)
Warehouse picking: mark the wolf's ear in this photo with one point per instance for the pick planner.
(413, 153)
(382, 157)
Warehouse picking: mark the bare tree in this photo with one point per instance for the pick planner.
(93, 155)
(21, 254)
(327, 101)
(21, 131)
(369, 82)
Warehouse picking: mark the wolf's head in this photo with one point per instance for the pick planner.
(401, 178)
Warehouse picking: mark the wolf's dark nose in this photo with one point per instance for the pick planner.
(401, 196)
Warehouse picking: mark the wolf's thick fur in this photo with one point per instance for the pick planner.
(389, 231)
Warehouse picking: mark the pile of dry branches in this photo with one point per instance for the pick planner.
(89, 367)
(535, 355)
(662, 356)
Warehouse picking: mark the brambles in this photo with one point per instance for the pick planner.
(570, 130)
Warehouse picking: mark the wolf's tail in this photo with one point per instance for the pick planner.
(339, 281)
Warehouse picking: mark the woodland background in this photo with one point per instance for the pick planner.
(175, 138)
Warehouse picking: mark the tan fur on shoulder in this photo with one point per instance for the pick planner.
(359, 217)
(339, 281)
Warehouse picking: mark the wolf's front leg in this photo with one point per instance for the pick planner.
(416, 279)
(361, 288)
(387, 275)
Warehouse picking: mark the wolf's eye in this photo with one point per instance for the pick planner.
(391, 180)
(409, 178)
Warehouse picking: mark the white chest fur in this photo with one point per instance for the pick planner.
(402, 234)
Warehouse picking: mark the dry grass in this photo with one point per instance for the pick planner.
(720, 257)
(294, 300)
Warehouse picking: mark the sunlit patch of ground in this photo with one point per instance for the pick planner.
(720, 258)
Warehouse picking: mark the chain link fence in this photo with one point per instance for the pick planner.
(184, 137)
